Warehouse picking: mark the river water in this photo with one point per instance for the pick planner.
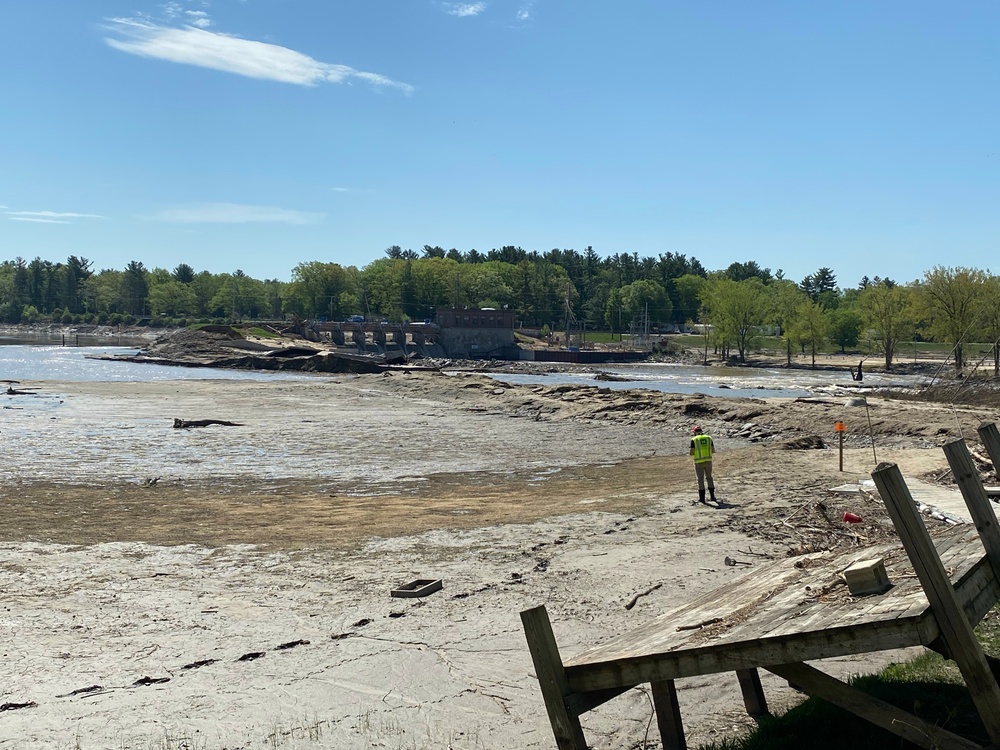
(733, 382)
(80, 360)
(51, 360)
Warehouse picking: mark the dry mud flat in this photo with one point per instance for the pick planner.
(228, 587)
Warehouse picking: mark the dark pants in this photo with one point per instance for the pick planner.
(704, 472)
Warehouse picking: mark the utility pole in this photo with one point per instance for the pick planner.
(571, 321)
(645, 316)
(569, 313)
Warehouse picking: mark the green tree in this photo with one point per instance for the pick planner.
(102, 292)
(615, 311)
(183, 273)
(953, 299)
(239, 296)
(43, 280)
(810, 327)
(737, 310)
(747, 270)
(888, 313)
(74, 273)
(484, 285)
(786, 298)
(382, 283)
(206, 285)
(646, 297)
(134, 289)
(437, 282)
(318, 290)
(688, 296)
(991, 318)
(172, 298)
(844, 327)
(819, 283)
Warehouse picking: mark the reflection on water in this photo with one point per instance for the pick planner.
(734, 382)
(46, 338)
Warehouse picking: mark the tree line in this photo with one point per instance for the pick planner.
(555, 289)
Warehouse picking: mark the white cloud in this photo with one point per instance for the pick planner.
(524, 12)
(47, 217)
(235, 213)
(39, 215)
(464, 10)
(38, 221)
(198, 18)
(189, 45)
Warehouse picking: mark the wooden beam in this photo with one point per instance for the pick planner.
(878, 712)
(580, 703)
(990, 436)
(963, 468)
(730, 657)
(753, 692)
(668, 715)
(956, 631)
(552, 679)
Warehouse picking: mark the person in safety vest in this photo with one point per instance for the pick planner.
(702, 449)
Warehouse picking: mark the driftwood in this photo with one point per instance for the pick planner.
(635, 599)
(11, 391)
(186, 423)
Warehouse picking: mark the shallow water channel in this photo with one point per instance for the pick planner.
(732, 382)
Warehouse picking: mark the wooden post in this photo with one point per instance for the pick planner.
(552, 679)
(753, 692)
(967, 476)
(990, 436)
(668, 715)
(956, 632)
(876, 711)
(841, 429)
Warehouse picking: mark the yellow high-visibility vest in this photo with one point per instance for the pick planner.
(702, 448)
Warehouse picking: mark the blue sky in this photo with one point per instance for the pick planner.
(258, 134)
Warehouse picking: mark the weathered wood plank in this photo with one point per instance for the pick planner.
(990, 436)
(712, 658)
(876, 711)
(552, 679)
(984, 600)
(967, 476)
(668, 715)
(782, 611)
(955, 628)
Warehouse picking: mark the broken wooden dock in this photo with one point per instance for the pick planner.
(798, 610)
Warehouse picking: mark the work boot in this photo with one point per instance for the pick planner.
(711, 491)
(701, 496)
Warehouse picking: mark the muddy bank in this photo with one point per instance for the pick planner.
(229, 586)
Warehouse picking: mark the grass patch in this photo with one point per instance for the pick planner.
(929, 686)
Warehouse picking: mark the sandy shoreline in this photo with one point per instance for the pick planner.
(147, 560)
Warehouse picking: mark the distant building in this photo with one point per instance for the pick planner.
(486, 333)
(485, 317)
